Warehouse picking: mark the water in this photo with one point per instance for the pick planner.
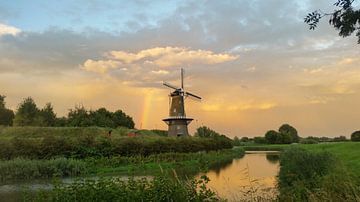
(247, 178)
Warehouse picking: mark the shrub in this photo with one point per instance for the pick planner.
(87, 145)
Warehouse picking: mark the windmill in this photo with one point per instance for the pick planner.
(177, 120)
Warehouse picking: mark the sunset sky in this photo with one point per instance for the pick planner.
(255, 63)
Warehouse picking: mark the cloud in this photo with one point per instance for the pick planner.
(100, 66)
(162, 57)
(240, 106)
(147, 67)
(348, 61)
(160, 72)
(204, 37)
(8, 30)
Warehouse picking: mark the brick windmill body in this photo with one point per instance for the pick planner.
(177, 120)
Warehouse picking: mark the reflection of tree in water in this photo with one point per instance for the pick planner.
(273, 158)
(217, 167)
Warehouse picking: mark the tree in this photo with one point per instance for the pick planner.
(6, 115)
(355, 136)
(204, 131)
(339, 139)
(345, 18)
(47, 115)
(272, 137)
(289, 130)
(102, 117)
(260, 140)
(27, 113)
(121, 119)
(79, 117)
(236, 141)
(284, 138)
(61, 122)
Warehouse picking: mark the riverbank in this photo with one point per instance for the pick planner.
(184, 163)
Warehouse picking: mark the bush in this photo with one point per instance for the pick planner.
(87, 145)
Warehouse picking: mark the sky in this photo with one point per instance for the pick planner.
(255, 63)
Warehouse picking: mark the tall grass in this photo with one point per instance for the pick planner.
(161, 188)
(314, 176)
(22, 169)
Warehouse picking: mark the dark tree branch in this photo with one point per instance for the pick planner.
(344, 19)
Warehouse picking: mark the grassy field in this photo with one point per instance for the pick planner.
(69, 132)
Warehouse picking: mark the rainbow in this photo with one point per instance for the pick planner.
(146, 109)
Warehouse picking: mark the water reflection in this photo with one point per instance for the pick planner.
(247, 178)
(218, 167)
(273, 158)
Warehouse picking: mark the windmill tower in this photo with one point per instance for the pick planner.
(177, 120)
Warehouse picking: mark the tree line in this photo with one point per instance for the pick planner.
(287, 134)
(29, 114)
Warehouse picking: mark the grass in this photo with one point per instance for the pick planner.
(347, 152)
(161, 188)
(22, 169)
(308, 175)
(69, 132)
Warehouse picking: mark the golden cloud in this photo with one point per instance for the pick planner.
(100, 66)
(159, 57)
(238, 107)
